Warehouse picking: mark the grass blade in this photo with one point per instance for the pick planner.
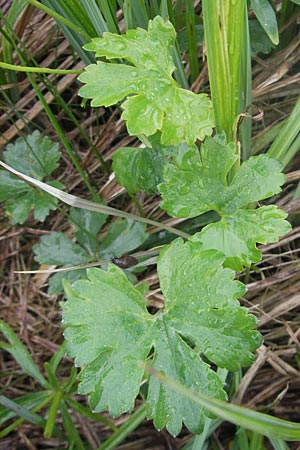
(282, 145)
(21, 354)
(246, 418)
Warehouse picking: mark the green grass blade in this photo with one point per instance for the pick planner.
(246, 418)
(71, 431)
(223, 28)
(21, 354)
(278, 444)
(57, 357)
(132, 423)
(256, 442)
(95, 16)
(14, 12)
(109, 12)
(33, 402)
(25, 414)
(191, 37)
(38, 69)
(52, 414)
(281, 147)
(245, 92)
(86, 412)
(128, 16)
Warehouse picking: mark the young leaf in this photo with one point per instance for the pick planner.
(197, 182)
(109, 330)
(154, 99)
(35, 156)
(123, 236)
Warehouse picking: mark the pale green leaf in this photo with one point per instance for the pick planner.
(237, 235)
(109, 330)
(154, 99)
(196, 182)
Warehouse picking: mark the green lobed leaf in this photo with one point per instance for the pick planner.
(21, 198)
(58, 249)
(109, 331)
(35, 156)
(154, 99)
(123, 236)
(196, 182)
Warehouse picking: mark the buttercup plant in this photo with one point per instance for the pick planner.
(107, 325)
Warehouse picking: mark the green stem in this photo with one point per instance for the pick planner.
(38, 69)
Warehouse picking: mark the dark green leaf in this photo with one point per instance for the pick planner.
(123, 236)
(267, 18)
(259, 40)
(37, 157)
(154, 100)
(55, 285)
(58, 249)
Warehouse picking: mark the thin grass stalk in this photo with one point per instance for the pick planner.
(127, 13)
(71, 431)
(256, 442)
(191, 39)
(245, 92)
(7, 48)
(109, 11)
(280, 149)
